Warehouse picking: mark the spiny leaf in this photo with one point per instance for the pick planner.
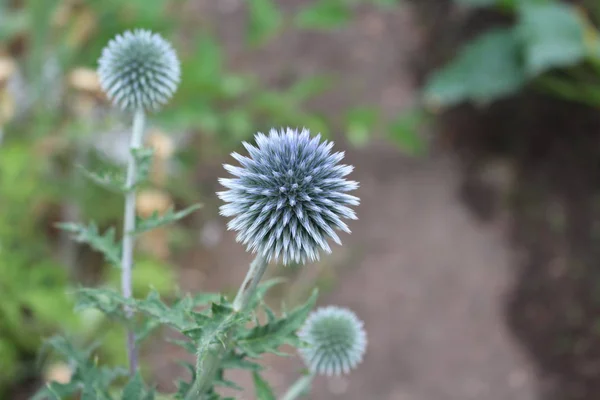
(143, 158)
(110, 180)
(104, 243)
(177, 316)
(238, 361)
(108, 301)
(269, 337)
(262, 389)
(156, 220)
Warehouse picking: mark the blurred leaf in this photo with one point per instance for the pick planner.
(110, 180)
(143, 158)
(404, 131)
(360, 123)
(109, 301)
(104, 243)
(309, 87)
(324, 14)
(478, 3)
(486, 69)
(265, 19)
(553, 36)
(134, 388)
(262, 389)
(156, 221)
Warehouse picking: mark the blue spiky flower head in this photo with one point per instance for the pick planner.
(139, 70)
(289, 196)
(335, 341)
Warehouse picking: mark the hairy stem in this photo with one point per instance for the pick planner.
(128, 228)
(255, 273)
(299, 388)
(208, 365)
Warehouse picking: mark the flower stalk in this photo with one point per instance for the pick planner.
(128, 230)
(300, 388)
(208, 364)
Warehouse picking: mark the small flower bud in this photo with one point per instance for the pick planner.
(336, 341)
(139, 70)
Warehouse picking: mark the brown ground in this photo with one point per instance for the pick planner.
(429, 279)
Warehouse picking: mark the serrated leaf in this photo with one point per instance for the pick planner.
(265, 19)
(262, 290)
(176, 316)
(109, 180)
(104, 243)
(134, 388)
(109, 301)
(262, 390)
(156, 220)
(553, 36)
(486, 69)
(227, 384)
(324, 14)
(238, 361)
(143, 159)
(269, 337)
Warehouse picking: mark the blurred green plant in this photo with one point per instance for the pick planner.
(552, 46)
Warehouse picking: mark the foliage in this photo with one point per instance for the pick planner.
(552, 45)
(49, 39)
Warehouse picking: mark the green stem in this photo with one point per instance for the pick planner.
(208, 365)
(128, 228)
(255, 273)
(300, 388)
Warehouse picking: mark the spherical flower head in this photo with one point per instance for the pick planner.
(289, 196)
(139, 70)
(336, 341)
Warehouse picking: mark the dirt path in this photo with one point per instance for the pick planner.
(428, 279)
(431, 288)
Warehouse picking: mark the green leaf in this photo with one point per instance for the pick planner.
(360, 123)
(104, 243)
(134, 388)
(269, 337)
(404, 131)
(56, 391)
(324, 14)
(262, 389)
(264, 20)
(109, 301)
(143, 159)
(178, 317)
(486, 69)
(553, 36)
(156, 220)
(309, 87)
(110, 180)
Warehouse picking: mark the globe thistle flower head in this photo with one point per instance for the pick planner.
(289, 196)
(139, 70)
(336, 341)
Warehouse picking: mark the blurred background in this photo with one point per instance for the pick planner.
(474, 127)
